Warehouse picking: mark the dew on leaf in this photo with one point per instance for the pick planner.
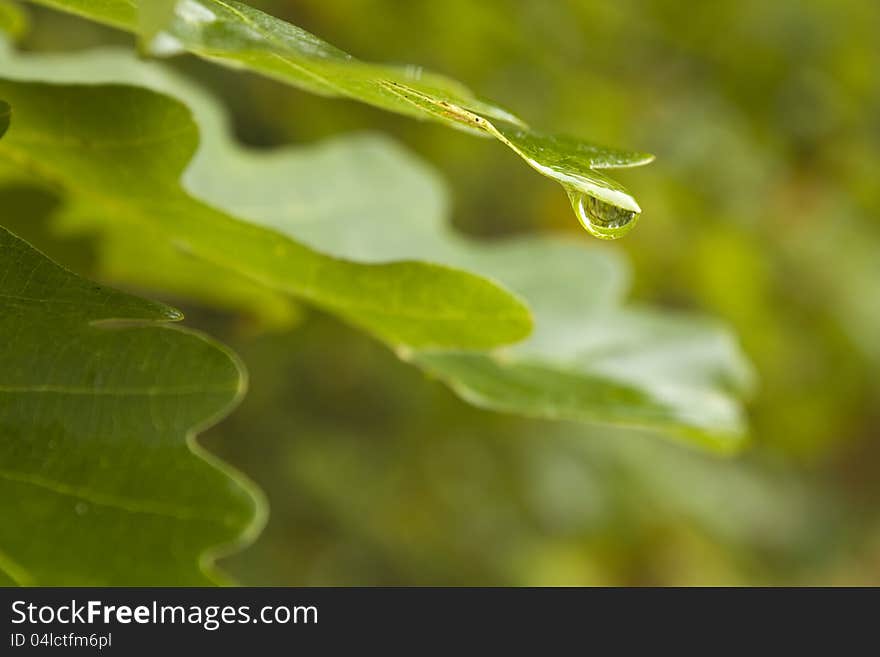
(601, 219)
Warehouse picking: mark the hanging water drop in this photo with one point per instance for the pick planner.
(602, 219)
(602, 205)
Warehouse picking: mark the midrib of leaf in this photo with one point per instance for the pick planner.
(128, 505)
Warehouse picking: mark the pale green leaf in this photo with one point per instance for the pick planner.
(117, 154)
(237, 35)
(101, 480)
(589, 359)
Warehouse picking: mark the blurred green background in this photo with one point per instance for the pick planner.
(763, 208)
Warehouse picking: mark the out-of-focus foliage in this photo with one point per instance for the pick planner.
(447, 494)
(13, 20)
(152, 17)
(5, 113)
(101, 481)
(765, 118)
(762, 208)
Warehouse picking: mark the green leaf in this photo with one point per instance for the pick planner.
(117, 155)
(589, 359)
(639, 380)
(101, 480)
(237, 35)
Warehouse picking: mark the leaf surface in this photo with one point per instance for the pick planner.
(117, 155)
(101, 481)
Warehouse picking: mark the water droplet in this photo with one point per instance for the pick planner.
(601, 219)
(81, 508)
(601, 204)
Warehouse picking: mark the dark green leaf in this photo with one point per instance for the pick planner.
(101, 480)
